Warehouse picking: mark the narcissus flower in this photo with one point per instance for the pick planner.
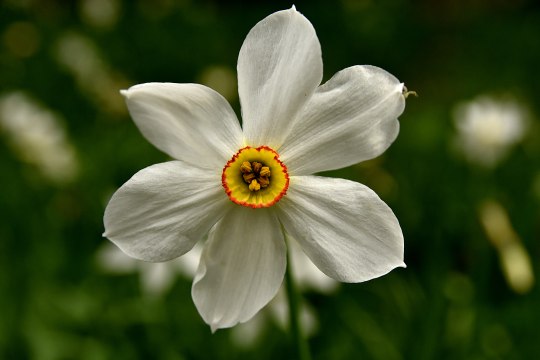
(488, 128)
(243, 187)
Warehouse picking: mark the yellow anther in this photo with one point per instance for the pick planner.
(248, 177)
(246, 167)
(264, 181)
(256, 166)
(254, 186)
(265, 171)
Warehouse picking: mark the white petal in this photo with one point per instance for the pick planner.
(190, 122)
(351, 118)
(241, 269)
(343, 226)
(279, 68)
(163, 210)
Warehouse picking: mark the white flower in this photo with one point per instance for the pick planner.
(155, 278)
(292, 128)
(487, 129)
(37, 136)
(306, 274)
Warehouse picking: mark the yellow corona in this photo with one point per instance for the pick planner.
(255, 177)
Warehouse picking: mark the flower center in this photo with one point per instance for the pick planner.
(255, 177)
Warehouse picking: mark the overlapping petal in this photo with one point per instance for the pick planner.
(190, 122)
(343, 226)
(279, 68)
(241, 268)
(351, 118)
(163, 210)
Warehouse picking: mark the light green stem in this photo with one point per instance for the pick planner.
(293, 298)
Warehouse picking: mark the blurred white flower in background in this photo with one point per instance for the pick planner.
(488, 129)
(514, 259)
(101, 14)
(308, 278)
(81, 58)
(156, 278)
(37, 137)
(306, 274)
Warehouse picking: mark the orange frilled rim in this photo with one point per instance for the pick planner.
(238, 190)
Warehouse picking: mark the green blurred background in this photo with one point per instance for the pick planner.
(471, 229)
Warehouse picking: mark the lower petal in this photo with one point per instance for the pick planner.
(343, 226)
(241, 268)
(163, 210)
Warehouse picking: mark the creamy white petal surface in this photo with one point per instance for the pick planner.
(351, 118)
(279, 68)
(190, 122)
(163, 210)
(242, 267)
(343, 226)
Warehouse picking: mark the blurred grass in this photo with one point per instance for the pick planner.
(452, 302)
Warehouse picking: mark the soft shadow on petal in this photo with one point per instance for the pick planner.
(190, 122)
(163, 210)
(343, 226)
(279, 68)
(241, 268)
(351, 118)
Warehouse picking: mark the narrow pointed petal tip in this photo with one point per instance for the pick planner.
(124, 93)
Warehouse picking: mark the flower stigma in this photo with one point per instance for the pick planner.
(255, 177)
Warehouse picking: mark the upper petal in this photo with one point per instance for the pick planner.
(351, 118)
(343, 226)
(190, 122)
(163, 210)
(279, 68)
(241, 268)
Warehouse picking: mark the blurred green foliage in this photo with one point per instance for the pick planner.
(452, 302)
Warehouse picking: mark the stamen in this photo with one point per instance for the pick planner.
(256, 166)
(255, 174)
(264, 181)
(255, 177)
(265, 171)
(248, 177)
(254, 186)
(246, 167)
